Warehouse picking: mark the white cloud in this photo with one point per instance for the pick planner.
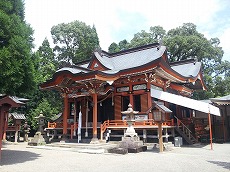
(121, 19)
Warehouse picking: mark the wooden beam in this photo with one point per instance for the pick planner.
(161, 147)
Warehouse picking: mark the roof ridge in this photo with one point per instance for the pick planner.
(131, 50)
(182, 62)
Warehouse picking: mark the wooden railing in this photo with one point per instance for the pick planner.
(57, 125)
(123, 124)
(185, 129)
(11, 128)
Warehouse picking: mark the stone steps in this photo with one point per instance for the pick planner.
(84, 148)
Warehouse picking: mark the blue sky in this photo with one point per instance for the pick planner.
(116, 20)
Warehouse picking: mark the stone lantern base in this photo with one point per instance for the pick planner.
(130, 143)
(37, 140)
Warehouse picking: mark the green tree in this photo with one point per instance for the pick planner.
(122, 45)
(113, 48)
(141, 38)
(17, 68)
(47, 63)
(186, 42)
(74, 41)
(155, 34)
(46, 108)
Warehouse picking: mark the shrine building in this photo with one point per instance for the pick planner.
(96, 91)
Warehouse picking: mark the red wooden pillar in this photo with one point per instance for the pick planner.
(1, 128)
(210, 128)
(65, 115)
(94, 117)
(6, 125)
(149, 99)
(130, 95)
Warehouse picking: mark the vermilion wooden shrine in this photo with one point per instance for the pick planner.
(103, 86)
(6, 103)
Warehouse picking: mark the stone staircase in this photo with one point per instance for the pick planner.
(82, 147)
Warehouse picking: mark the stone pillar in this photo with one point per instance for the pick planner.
(166, 135)
(16, 133)
(144, 135)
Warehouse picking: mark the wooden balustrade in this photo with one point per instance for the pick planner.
(58, 125)
(124, 124)
(112, 124)
(11, 128)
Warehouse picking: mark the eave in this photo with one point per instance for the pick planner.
(59, 77)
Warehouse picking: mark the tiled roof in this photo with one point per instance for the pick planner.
(161, 106)
(132, 59)
(139, 57)
(73, 70)
(225, 100)
(191, 69)
(18, 99)
(17, 115)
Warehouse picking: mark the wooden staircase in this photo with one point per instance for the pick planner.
(185, 132)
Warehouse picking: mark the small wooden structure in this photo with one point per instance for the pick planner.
(221, 127)
(6, 103)
(16, 127)
(159, 112)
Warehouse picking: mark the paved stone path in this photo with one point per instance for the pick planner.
(21, 158)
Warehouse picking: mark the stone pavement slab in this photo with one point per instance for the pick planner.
(20, 158)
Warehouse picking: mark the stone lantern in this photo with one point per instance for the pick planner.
(130, 142)
(41, 122)
(130, 118)
(38, 137)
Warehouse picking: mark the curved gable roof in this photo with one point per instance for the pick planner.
(189, 68)
(130, 59)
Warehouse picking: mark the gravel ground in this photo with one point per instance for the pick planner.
(20, 158)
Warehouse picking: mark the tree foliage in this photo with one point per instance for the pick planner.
(42, 100)
(46, 108)
(47, 63)
(74, 41)
(155, 34)
(17, 69)
(186, 42)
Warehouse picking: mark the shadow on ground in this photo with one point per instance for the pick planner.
(14, 157)
(222, 164)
